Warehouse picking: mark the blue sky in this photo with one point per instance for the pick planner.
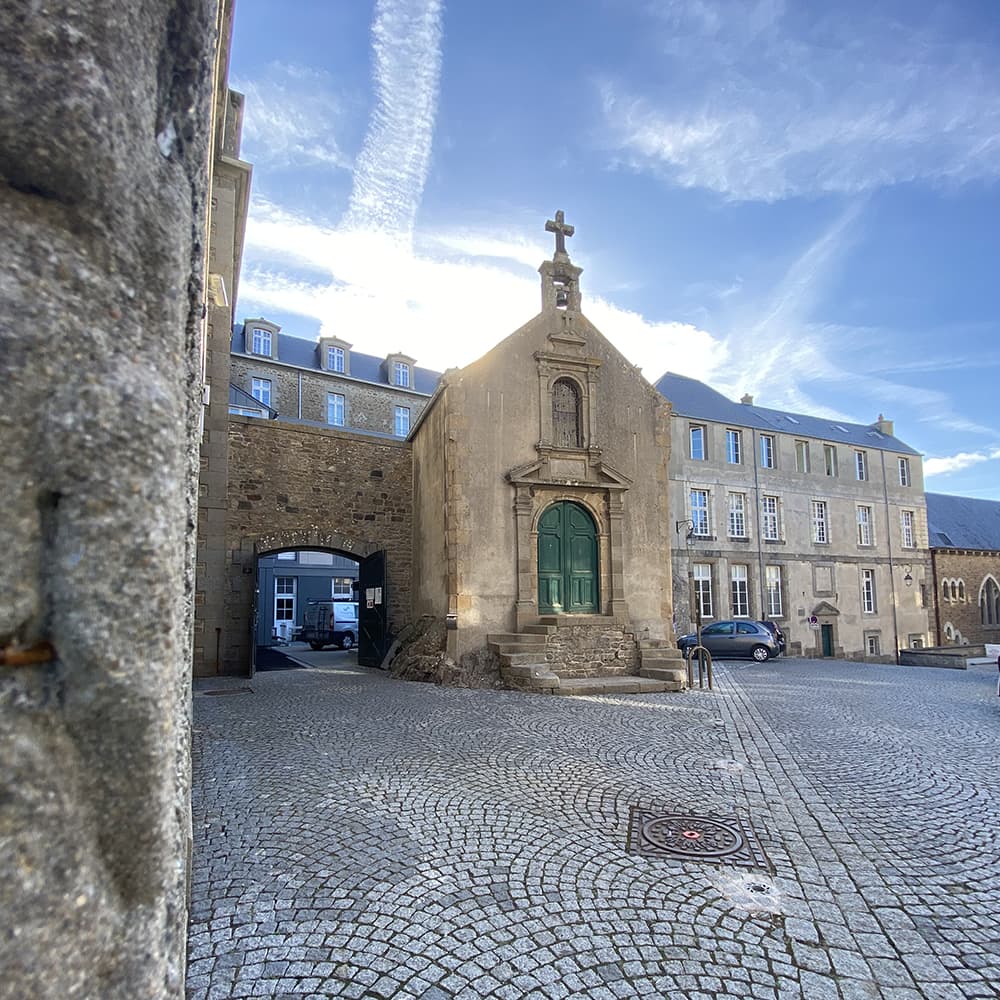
(792, 199)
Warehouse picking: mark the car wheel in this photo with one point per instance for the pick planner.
(761, 653)
(347, 642)
(316, 645)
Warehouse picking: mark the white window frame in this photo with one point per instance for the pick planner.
(772, 580)
(401, 421)
(401, 374)
(873, 644)
(734, 447)
(260, 342)
(698, 432)
(820, 523)
(770, 519)
(737, 515)
(342, 586)
(739, 580)
(285, 594)
(336, 358)
(803, 460)
(904, 472)
(830, 460)
(767, 451)
(869, 595)
(861, 466)
(260, 389)
(702, 573)
(907, 524)
(336, 406)
(866, 530)
(701, 521)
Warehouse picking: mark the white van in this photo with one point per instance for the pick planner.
(330, 623)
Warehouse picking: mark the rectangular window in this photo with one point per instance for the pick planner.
(909, 538)
(699, 513)
(335, 359)
(401, 374)
(402, 421)
(734, 447)
(802, 456)
(772, 579)
(770, 524)
(335, 409)
(698, 442)
(342, 586)
(284, 599)
(864, 525)
(915, 641)
(873, 644)
(904, 472)
(819, 522)
(830, 459)
(290, 556)
(767, 451)
(260, 389)
(868, 603)
(261, 342)
(703, 589)
(737, 515)
(861, 465)
(740, 591)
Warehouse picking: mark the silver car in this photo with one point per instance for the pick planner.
(734, 639)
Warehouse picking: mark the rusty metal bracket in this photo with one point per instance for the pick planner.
(26, 656)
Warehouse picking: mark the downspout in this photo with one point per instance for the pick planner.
(300, 395)
(938, 641)
(755, 438)
(888, 538)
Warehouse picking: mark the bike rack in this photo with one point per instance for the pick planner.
(704, 666)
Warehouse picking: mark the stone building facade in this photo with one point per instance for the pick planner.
(818, 525)
(965, 560)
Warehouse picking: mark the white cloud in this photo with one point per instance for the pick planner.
(758, 103)
(956, 463)
(290, 117)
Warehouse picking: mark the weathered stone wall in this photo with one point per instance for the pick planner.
(104, 115)
(970, 568)
(592, 650)
(313, 487)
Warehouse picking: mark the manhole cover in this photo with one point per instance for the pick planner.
(687, 837)
(234, 690)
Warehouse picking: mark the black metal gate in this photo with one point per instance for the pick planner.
(254, 612)
(373, 610)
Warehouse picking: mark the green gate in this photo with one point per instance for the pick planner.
(567, 561)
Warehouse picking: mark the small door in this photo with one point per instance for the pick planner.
(826, 636)
(373, 610)
(567, 561)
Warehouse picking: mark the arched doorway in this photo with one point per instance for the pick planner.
(567, 561)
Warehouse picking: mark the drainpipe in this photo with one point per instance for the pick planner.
(888, 538)
(300, 395)
(755, 440)
(938, 639)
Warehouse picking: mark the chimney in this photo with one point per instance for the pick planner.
(747, 399)
(884, 426)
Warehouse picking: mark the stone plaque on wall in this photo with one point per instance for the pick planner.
(568, 468)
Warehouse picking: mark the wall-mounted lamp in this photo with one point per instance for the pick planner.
(908, 575)
(685, 523)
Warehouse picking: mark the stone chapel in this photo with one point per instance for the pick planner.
(541, 527)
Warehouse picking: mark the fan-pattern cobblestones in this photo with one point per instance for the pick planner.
(361, 837)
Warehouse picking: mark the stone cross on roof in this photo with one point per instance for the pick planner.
(561, 229)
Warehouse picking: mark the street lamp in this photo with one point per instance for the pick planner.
(908, 575)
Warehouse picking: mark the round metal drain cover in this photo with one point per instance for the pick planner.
(694, 836)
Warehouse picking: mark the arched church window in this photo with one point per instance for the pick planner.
(945, 592)
(566, 429)
(961, 590)
(989, 602)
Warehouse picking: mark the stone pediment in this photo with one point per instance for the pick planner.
(556, 467)
(824, 608)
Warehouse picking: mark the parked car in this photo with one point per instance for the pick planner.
(330, 623)
(776, 632)
(734, 639)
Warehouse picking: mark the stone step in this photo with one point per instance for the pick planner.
(678, 674)
(656, 644)
(518, 647)
(517, 658)
(539, 630)
(615, 685)
(661, 658)
(508, 637)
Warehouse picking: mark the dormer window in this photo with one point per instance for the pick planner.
(334, 355)
(335, 358)
(401, 374)
(260, 342)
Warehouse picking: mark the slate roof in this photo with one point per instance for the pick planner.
(303, 354)
(691, 398)
(963, 522)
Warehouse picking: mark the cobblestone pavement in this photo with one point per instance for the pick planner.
(361, 837)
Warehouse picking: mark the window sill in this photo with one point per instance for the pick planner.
(775, 541)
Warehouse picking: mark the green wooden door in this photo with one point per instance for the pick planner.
(567, 561)
(826, 635)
